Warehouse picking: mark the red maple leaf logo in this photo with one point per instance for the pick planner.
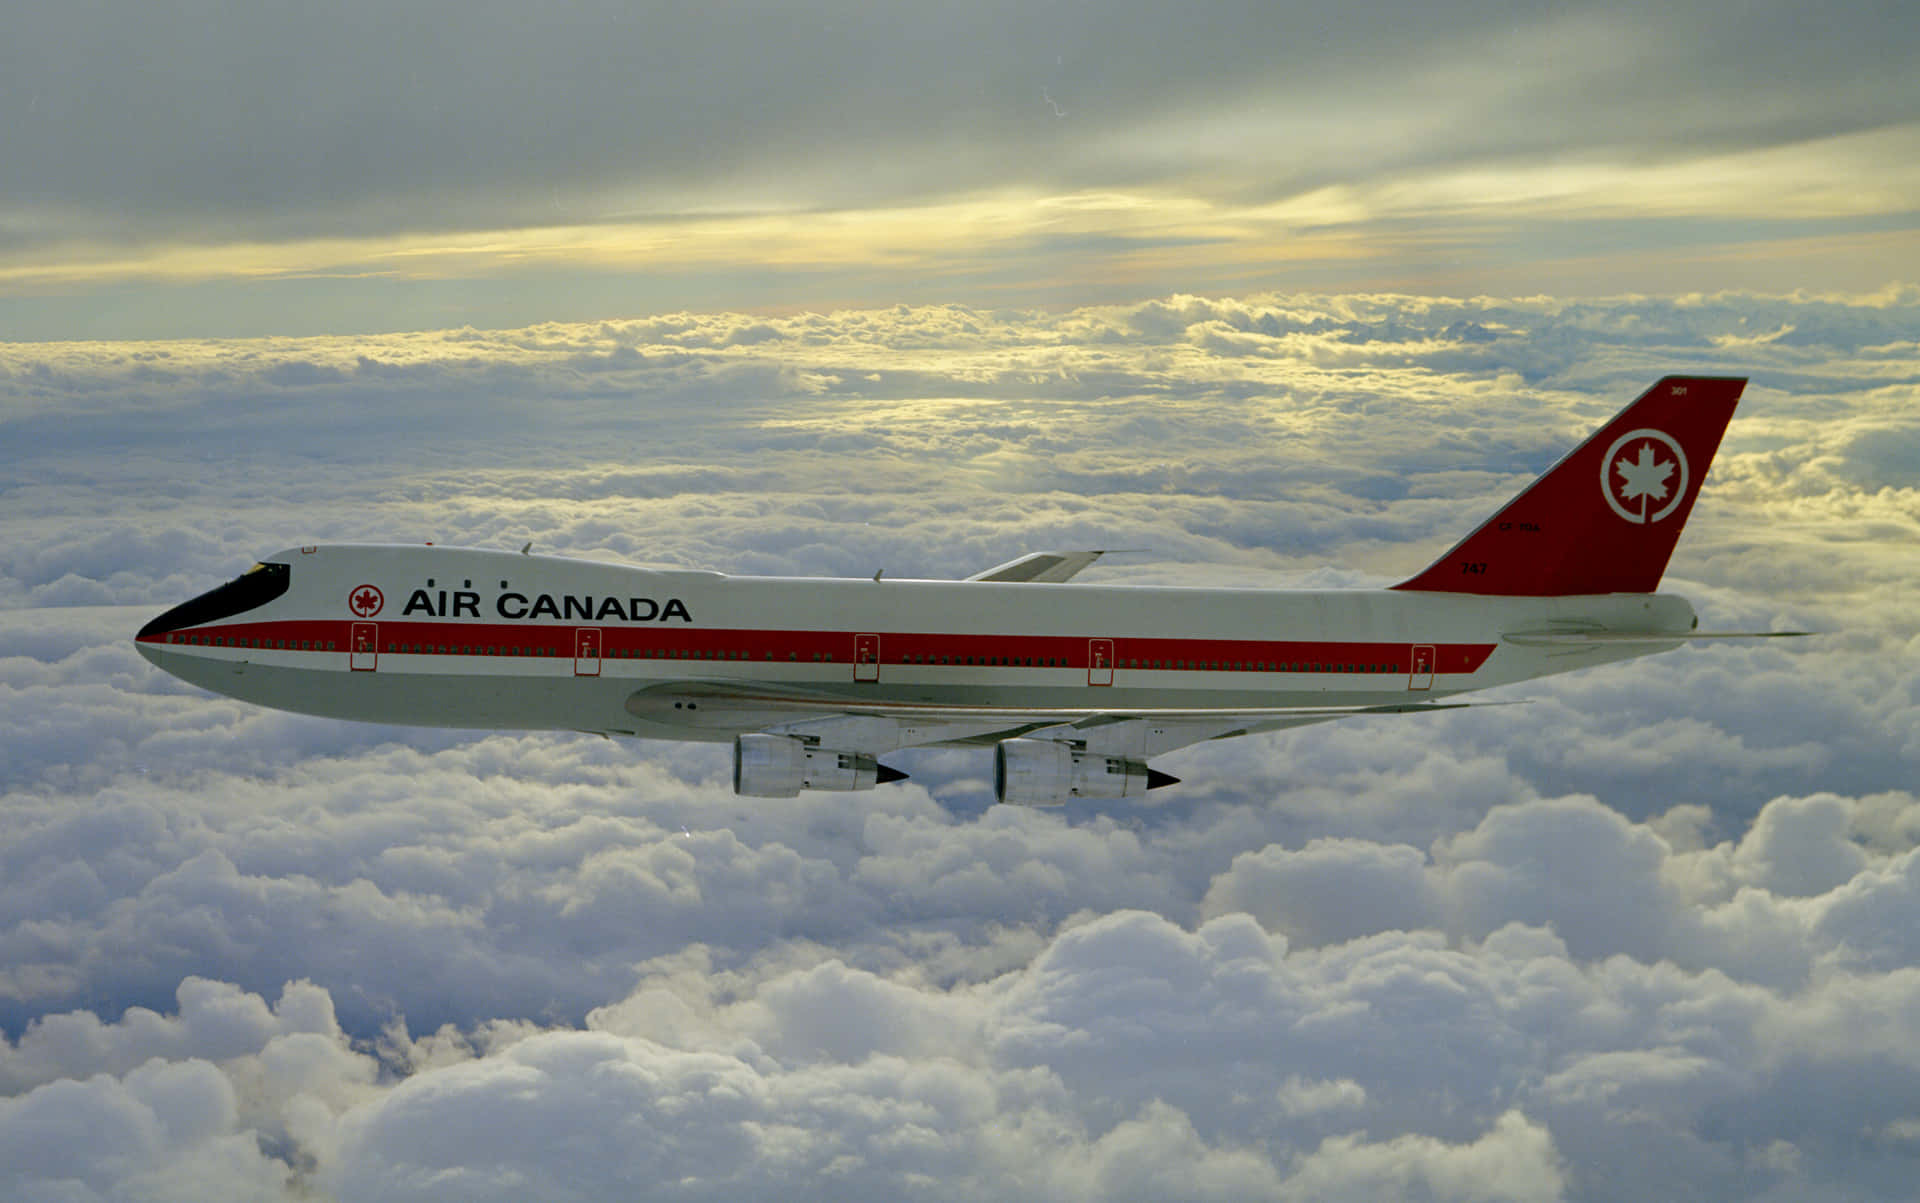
(1645, 479)
(366, 601)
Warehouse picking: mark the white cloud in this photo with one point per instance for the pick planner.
(1653, 928)
(164, 1132)
(1329, 892)
(1514, 1160)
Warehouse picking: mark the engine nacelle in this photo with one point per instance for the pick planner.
(780, 766)
(1047, 772)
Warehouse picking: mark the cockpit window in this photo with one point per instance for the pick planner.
(250, 590)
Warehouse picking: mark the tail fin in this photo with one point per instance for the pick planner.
(1605, 518)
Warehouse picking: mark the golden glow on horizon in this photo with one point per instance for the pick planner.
(1389, 224)
(932, 238)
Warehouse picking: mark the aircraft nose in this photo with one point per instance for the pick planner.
(160, 626)
(186, 614)
(250, 590)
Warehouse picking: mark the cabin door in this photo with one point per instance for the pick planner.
(363, 646)
(866, 657)
(1099, 661)
(1422, 677)
(586, 651)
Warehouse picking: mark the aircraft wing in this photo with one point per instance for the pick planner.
(875, 727)
(1040, 567)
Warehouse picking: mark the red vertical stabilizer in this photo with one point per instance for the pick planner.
(1605, 518)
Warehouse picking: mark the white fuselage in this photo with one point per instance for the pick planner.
(468, 638)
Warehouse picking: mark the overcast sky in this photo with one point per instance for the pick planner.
(1650, 934)
(193, 167)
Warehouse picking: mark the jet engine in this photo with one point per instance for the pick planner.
(1050, 772)
(780, 766)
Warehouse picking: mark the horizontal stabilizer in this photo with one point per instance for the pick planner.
(1632, 638)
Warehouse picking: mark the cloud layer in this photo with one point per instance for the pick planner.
(1651, 931)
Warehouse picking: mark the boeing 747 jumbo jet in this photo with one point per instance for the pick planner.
(1075, 687)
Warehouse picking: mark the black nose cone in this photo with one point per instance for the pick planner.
(170, 621)
(250, 590)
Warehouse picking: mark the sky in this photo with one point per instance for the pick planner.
(193, 168)
(1281, 295)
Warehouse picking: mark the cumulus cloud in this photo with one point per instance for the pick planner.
(1653, 927)
(1129, 1055)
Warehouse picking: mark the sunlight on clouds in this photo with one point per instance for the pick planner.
(1858, 175)
(947, 234)
(1106, 235)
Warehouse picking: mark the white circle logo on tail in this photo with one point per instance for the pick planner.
(1644, 475)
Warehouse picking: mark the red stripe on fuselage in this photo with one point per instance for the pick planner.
(907, 648)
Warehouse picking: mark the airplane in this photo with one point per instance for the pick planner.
(1075, 687)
